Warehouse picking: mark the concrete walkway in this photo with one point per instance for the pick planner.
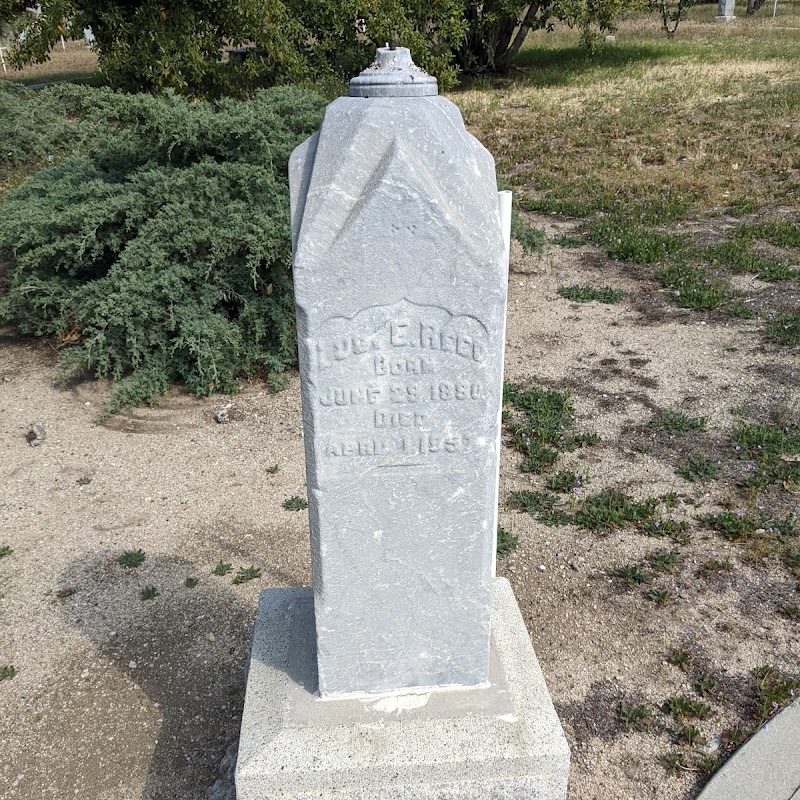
(765, 768)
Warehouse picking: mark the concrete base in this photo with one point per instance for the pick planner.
(498, 741)
(724, 19)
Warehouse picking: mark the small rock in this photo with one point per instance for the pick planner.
(131, 665)
(35, 434)
(221, 415)
(542, 567)
(210, 636)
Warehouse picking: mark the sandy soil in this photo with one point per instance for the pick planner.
(119, 698)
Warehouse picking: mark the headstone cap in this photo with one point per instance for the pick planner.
(393, 74)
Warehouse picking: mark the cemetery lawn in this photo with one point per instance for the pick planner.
(658, 569)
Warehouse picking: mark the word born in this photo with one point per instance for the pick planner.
(388, 365)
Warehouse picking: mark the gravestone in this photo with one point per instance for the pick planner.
(400, 282)
(407, 671)
(725, 9)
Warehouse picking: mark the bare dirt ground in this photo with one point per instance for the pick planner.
(116, 697)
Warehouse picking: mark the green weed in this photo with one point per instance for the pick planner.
(531, 239)
(662, 560)
(630, 574)
(698, 468)
(639, 244)
(691, 735)
(772, 450)
(713, 565)
(295, 503)
(677, 530)
(735, 526)
(84, 480)
(634, 718)
(674, 763)
(661, 597)
(784, 329)
(546, 427)
(677, 422)
(6, 550)
(7, 671)
(679, 657)
(148, 593)
(190, 583)
(790, 611)
(272, 470)
(506, 541)
(773, 692)
(612, 508)
(566, 481)
(569, 241)
(682, 708)
(588, 294)
(705, 686)
(246, 574)
(222, 569)
(131, 559)
(694, 287)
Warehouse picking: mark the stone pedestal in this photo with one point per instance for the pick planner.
(501, 740)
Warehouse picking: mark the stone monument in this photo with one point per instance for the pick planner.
(725, 10)
(407, 672)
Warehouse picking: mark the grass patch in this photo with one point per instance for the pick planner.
(677, 422)
(131, 559)
(698, 468)
(506, 541)
(541, 506)
(588, 294)
(295, 503)
(148, 593)
(681, 708)
(638, 244)
(611, 509)
(634, 718)
(568, 242)
(6, 550)
(7, 672)
(221, 569)
(695, 288)
(630, 574)
(566, 481)
(544, 426)
(773, 450)
(662, 560)
(246, 574)
(531, 239)
(773, 692)
(190, 582)
(784, 329)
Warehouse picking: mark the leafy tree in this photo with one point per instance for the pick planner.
(153, 45)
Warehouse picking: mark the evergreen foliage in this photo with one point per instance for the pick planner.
(158, 249)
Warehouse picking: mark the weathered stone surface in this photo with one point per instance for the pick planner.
(725, 9)
(400, 284)
(502, 741)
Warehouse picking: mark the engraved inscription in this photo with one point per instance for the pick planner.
(400, 385)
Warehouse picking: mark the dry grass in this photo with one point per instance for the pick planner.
(77, 62)
(706, 118)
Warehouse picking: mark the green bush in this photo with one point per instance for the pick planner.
(158, 249)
